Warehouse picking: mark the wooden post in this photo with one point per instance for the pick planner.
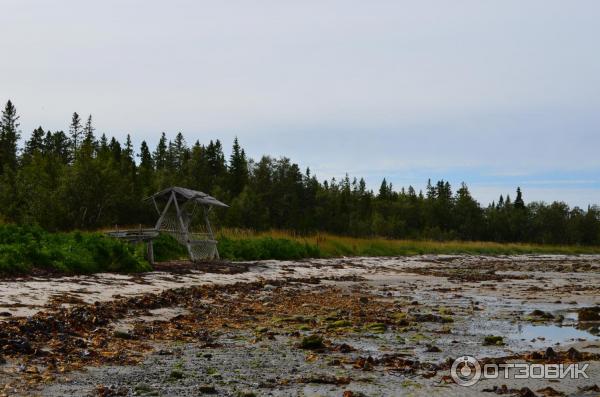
(150, 251)
(155, 205)
(209, 228)
(183, 228)
(164, 212)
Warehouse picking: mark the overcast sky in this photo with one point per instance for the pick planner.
(494, 93)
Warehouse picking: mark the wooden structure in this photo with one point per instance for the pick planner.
(138, 236)
(185, 216)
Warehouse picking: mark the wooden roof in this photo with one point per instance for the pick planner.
(188, 194)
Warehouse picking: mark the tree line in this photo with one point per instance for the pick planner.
(79, 180)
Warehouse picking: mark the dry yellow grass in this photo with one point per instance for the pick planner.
(331, 245)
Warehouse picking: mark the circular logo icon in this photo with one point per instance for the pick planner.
(466, 371)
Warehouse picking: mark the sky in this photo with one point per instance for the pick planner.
(497, 94)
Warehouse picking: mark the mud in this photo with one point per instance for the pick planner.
(350, 326)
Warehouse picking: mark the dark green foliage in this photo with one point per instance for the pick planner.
(25, 247)
(167, 248)
(62, 183)
(9, 136)
(238, 169)
(75, 132)
(265, 248)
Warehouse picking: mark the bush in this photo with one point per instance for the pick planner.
(167, 248)
(23, 248)
(259, 248)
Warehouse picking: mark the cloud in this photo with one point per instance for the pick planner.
(376, 89)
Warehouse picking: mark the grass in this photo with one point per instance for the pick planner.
(24, 248)
(266, 247)
(330, 246)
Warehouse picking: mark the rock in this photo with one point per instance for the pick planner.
(430, 318)
(207, 389)
(17, 346)
(593, 388)
(176, 374)
(433, 349)
(122, 334)
(589, 314)
(110, 391)
(526, 392)
(143, 389)
(536, 356)
(541, 314)
(345, 348)
(550, 392)
(2, 360)
(573, 354)
(550, 353)
(492, 340)
(363, 299)
(366, 364)
(350, 393)
(312, 342)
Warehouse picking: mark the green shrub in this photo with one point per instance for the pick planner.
(167, 248)
(25, 247)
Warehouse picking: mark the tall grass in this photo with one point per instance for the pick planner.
(328, 246)
(266, 247)
(24, 248)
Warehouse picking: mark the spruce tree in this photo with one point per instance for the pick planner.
(75, 132)
(146, 170)
(179, 152)
(160, 153)
(115, 149)
(519, 203)
(238, 169)
(128, 151)
(9, 136)
(383, 190)
(35, 144)
(89, 140)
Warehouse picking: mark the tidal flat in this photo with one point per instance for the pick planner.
(357, 326)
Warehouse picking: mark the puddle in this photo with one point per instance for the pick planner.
(551, 334)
